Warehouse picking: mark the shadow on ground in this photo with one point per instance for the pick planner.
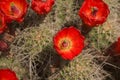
(51, 64)
(113, 66)
(32, 19)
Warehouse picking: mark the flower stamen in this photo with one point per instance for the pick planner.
(65, 45)
(94, 11)
(44, 0)
(14, 9)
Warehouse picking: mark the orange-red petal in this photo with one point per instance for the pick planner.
(67, 55)
(2, 23)
(42, 7)
(7, 74)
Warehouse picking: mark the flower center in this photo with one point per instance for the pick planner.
(65, 45)
(14, 9)
(43, 0)
(94, 11)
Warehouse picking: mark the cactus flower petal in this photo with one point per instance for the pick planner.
(7, 74)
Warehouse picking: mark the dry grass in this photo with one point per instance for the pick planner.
(28, 47)
(83, 67)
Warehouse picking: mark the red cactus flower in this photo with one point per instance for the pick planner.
(2, 23)
(68, 43)
(94, 12)
(116, 47)
(42, 6)
(7, 74)
(14, 9)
